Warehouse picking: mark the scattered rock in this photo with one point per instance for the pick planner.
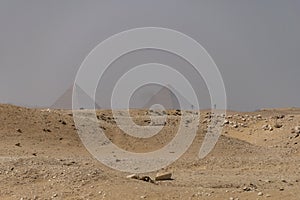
(278, 125)
(163, 176)
(280, 116)
(258, 117)
(235, 126)
(283, 180)
(146, 179)
(63, 122)
(46, 130)
(55, 195)
(69, 163)
(18, 144)
(267, 127)
(251, 187)
(19, 130)
(293, 131)
(247, 189)
(260, 194)
(226, 122)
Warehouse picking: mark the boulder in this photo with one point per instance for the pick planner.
(163, 176)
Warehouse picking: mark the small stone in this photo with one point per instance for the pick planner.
(63, 122)
(226, 122)
(18, 144)
(208, 194)
(163, 176)
(143, 197)
(146, 179)
(231, 198)
(260, 194)
(281, 116)
(46, 130)
(258, 117)
(283, 180)
(268, 195)
(265, 127)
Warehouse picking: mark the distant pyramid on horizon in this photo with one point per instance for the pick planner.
(168, 97)
(65, 100)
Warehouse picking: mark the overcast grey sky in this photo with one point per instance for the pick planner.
(255, 44)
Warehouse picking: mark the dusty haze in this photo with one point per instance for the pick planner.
(255, 44)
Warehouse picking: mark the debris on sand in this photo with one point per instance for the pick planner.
(142, 178)
(267, 127)
(133, 176)
(163, 176)
(146, 179)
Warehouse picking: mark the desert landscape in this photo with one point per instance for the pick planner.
(256, 157)
(154, 100)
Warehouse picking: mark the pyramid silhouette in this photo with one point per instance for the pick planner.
(168, 97)
(65, 100)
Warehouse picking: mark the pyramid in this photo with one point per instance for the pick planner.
(168, 97)
(65, 100)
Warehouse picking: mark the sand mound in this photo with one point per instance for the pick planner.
(42, 157)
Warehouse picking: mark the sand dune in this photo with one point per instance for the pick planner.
(256, 157)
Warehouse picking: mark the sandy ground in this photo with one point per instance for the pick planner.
(42, 157)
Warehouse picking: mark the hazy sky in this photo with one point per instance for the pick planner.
(255, 44)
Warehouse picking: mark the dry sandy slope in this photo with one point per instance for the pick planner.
(41, 157)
